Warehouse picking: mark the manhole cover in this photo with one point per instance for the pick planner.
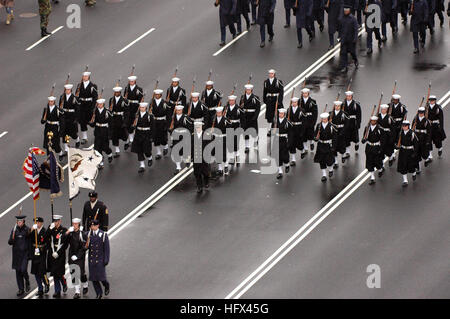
(28, 15)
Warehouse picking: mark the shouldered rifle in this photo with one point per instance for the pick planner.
(174, 75)
(209, 78)
(190, 97)
(112, 100)
(348, 89)
(226, 108)
(393, 92)
(320, 123)
(290, 104)
(427, 103)
(93, 114)
(51, 94)
(153, 96)
(415, 118)
(64, 91)
(77, 93)
(379, 103)
(241, 104)
(399, 143)
(131, 74)
(366, 132)
(137, 113)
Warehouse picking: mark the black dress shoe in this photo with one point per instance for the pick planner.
(20, 292)
(158, 157)
(356, 64)
(371, 182)
(311, 37)
(165, 151)
(77, 144)
(427, 162)
(300, 45)
(83, 141)
(219, 172)
(141, 170)
(279, 176)
(369, 51)
(391, 161)
(149, 162)
(414, 177)
(126, 146)
(287, 26)
(199, 190)
(418, 171)
(335, 166)
(107, 290)
(404, 184)
(356, 147)
(253, 23)
(416, 50)
(226, 171)
(110, 159)
(177, 171)
(270, 38)
(380, 44)
(85, 290)
(292, 163)
(27, 286)
(441, 24)
(116, 155)
(439, 153)
(380, 173)
(323, 179)
(234, 36)
(383, 38)
(76, 296)
(98, 297)
(247, 150)
(303, 155)
(311, 147)
(57, 295)
(330, 173)
(262, 45)
(404, 21)
(321, 27)
(268, 133)
(40, 294)
(46, 288)
(222, 43)
(286, 169)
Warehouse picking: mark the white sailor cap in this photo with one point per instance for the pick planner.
(295, 99)
(68, 86)
(396, 96)
(337, 103)
(219, 109)
(305, 90)
(87, 73)
(198, 123)
(432, 97)
(57, 217)
(249, 86)
(51, 98)
(384, 106)
(195, 94)
(179, 107)
(117, 89)
(132, 78)
(175, 79)
(349, 93)
(158, 91)
(324, 115)
(101, 101)
(209, 82)
(143, 104)
(272, 71)
(76, 220)
(374, 118)
(232, 97)
(405, 122)
(421, 109)
(282, 110)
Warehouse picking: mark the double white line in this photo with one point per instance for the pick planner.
(308, 227)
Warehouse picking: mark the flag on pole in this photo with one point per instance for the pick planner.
(82, 169)
(56, 174)
(31, 170)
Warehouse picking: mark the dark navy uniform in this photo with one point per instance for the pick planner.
(436, 117)
(407, 156)
(161, 112)
(251, 106)
(387, 124)
(69, 107)
(349, 36)
(296, 134)
(176, 97)
(422, 130)
(318, 14)
(89, 214)
(340, 123)
(266, 16)
(303, 14)
(76, 240)
(335, 14)
(101, 131)
(325, 145)
(201, 167)
(375, 142)
(284, 127)
(39, 262)
(235, 116)
(56, 256)
(98, 259)
(120, 118)
(87, 95)
(309, 109)
(211, 98)
(419, 20)
(221, 125)
(51, 119)
(133, 97)
(398, 113)
(20, 241)
(353, 111)
(242, 8)
(288, 5)
(272, 93)
(182, 124)
(199, 112)
(142, 143)
(227, 13)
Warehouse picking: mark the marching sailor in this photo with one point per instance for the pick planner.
(436, 117)
(95, 209)
(273, 92)
(198, 111)
(251, 106)
(309, 108)
(375, 138)
(119, 108)
(87, 93)
(51, 117)
(176, 95)
(144, 123)
(100, 120)
(219, 127)
(133, 94)
(39, 256)
(398, 112)
(339, 120)
(387, 124)
(353, 110)
(211, 98)
(326, 137)
(284, 126)
(408, 145)
(181, 124)
(161, 112)
(234, 114)
(296, 134)
(69, 106)
(56, 258)
(201, 167)
(422, 129)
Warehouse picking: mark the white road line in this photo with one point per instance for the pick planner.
(44, 38)
(138, 39)
(231, 42)
(3, 134)
(163, 190)
(295, 239)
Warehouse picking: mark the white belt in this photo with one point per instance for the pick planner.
(326, 141)
(421, 131)
(352, 116)
(235, 121)
(296, 123)
(250, 110)
(386, 129)
(173, 102)
(143, 128)
(339, 126)
(85, 99)
(308, 113)
(374, 144)
(219, 135)
(69, 110)
(161, 118)
(408, 147)
(282, 135)
(435, 122)
(118, 113)
(133, 101)
(272, 94)
(212, 108)
(53, 122)
(101, 124)
(398, 119)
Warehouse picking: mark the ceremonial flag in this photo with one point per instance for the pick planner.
(82, 169)
(56, 173)
(31, 171)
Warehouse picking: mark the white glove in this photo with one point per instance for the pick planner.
(74, 257)
(70, 229)
(35, 226)
(81, 228)
(52, 225)
(55, 255)
(36, 251)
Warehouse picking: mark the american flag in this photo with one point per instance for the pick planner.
(31, 171)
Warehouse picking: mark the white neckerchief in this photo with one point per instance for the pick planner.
(174, 88)
(372, 127)
(280, 120)
(219, 118)
(336, 112)
(271, 80)
(395, 105)
(51, 107)
(179, 116)
(142, 113)
(405, 132)
(132, 87)
(101, 110)
(421, 118)
(324, 125)
(232, 107)
(294, 108)
(158, 101)
(199, 134)
(117, 98)
(194, 104)
(68, 96)
(349, 102)
(96, 232)
(93, 204)
(86, 83)
(208, 92)
(383, 115)
(247, 96)
(432, 105)
(305, 99)
(39, 230)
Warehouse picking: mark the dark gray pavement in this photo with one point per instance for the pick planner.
(191, 246)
